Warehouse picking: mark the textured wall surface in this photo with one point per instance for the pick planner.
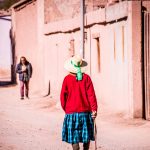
(65, 9)
(26, 37)
(112, 49)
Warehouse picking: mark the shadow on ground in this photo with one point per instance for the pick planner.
(7, 84)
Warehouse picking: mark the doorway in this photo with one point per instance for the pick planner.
(5, 50)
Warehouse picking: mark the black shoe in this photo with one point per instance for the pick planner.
(27, 97)
(22, 98)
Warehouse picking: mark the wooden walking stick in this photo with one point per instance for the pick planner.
(95, 134)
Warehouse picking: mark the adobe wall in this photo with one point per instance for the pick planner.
(111, 81)
(116, 71)
(26, 41)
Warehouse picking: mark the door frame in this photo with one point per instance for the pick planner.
(146, 63)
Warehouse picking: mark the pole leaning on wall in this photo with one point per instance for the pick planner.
(82, 28)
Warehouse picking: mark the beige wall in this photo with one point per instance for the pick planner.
(47, 46)
(58, 9)
(25, 31)
(136, 59)
(112, 81)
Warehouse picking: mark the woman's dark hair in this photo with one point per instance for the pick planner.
(26, 62)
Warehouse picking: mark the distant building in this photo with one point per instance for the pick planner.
(116, 48)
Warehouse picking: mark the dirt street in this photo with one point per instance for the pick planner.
(35, 124)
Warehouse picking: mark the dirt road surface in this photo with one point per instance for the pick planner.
(35, 124)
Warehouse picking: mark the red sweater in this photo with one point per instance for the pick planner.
(78, 96)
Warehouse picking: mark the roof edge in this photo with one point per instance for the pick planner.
(20, 3)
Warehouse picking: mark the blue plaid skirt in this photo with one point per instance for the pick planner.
(78, 127)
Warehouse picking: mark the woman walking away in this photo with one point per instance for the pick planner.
(24, 69)
(79, 102)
